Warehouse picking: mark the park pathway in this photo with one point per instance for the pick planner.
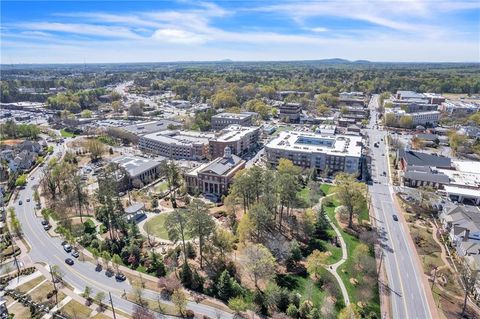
(333, 267)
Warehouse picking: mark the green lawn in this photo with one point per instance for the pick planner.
(352, 242)
(64, 133)
(161, 187)
(281, 129)
(326, 188)
(156, 226)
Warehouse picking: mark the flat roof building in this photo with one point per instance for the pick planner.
(141, 171)
(222, 120)
(188, 145)
(150, 127)
(333, 153)
(240, 139)
(290, 112)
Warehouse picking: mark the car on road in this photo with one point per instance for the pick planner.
(20, 203)
(28, 199)
(64, 243)
(47, 227)
(69, 261)
(395, 218)
(75, 254)
(120, 277)
(44, 222)
(67, 248)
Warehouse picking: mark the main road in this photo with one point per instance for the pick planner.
(48, 250)
(410, 295)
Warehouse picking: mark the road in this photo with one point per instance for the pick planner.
(48, 250)
(408, 293)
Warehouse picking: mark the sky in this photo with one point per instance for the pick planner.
(251, 30)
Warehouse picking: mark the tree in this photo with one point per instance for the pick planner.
(21, 180)
(406, 121)
(288, 185)
(176, 225)
(87, 292)
(179, 300)
(259, 263)
(14, 222)
(95, 148)
(86, 114)
(116, 261)
(390, 119)
(99, 298)
(456, 140)
(80, 195)
(199, 225)
(227, 287)
(172, 175)
(469, 282)
(140, 312)
(261, 220)
(349, 312)
(350, 194)
(315, 263)
(245, 228)
(136, 109)
(224, 99)
(238, 304)
(106, 258)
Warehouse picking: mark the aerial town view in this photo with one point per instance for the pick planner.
(240, 159)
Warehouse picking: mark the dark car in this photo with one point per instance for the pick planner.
(69, 261)
(395, 218)
(64, 243)
(44, 222)
(28, 199)
(120, 277)
(75, 254)
(20, 203)
(47, 227)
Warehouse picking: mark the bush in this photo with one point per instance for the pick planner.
(89, 227)
(292, 311)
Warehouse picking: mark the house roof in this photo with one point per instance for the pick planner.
(135, 207)
(424, 159)
(427, 177)
(135, 165)
(222, 165)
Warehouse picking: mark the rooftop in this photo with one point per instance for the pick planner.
(183, 138)
(150, 127)
(308, 142)
(235, 132)
(232, 115)
(135, 165)
(424, 159)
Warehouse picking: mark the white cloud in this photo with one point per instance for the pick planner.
(318, 29)
(82, 28)
(178, 36)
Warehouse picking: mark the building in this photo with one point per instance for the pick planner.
(406, 158)
(290, 112)
(428, 118)
(431, 98)
(332, 153)
(144, 128)
(188, 145)
(214, 178)
(222, 120)
(354, 99)
(459, 108)
(240, 139)
(140, 171)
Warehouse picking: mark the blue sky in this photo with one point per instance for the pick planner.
(155, 31)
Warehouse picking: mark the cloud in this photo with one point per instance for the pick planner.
(82, 28)
(178, 36)
(318, 29)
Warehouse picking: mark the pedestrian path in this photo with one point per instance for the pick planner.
(333, 267)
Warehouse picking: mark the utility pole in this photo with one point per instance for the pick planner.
(111, 303)
(54, 286)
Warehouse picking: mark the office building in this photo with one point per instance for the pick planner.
(240, 139)
(222, 120)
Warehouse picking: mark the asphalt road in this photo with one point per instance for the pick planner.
(408, 297)
(48, 250)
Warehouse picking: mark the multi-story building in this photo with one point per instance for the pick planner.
(214, 178)
(140, 171)
(177, 144)
(458, 108)
(429, 98)
(290, 112)
(222, 120)
(333, 153)
(240, 139)
(150, 127)
(355, 99)
(429, 118)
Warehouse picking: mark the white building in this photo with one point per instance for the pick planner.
(311, 150)
(419, 118)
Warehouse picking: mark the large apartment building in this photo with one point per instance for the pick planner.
(290, 112)
(334, 153)
(177, 144)
(240, 139)
(222, 120)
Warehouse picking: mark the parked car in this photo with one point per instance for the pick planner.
(67, 248)
(395, 218)
(75, 254)
(64, 243)
(47, 227)
(120, 277)
(69, 261)
(28, 199)
(20, 203)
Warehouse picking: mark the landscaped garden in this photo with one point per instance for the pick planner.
(156, 227)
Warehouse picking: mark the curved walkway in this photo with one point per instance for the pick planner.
(333, 267)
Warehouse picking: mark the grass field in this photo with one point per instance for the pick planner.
(326, 188)
(64, 133)
(156, 226)
(344, 270)
(30, 284)
(74, 309)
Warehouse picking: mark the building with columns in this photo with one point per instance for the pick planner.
(214, 178)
